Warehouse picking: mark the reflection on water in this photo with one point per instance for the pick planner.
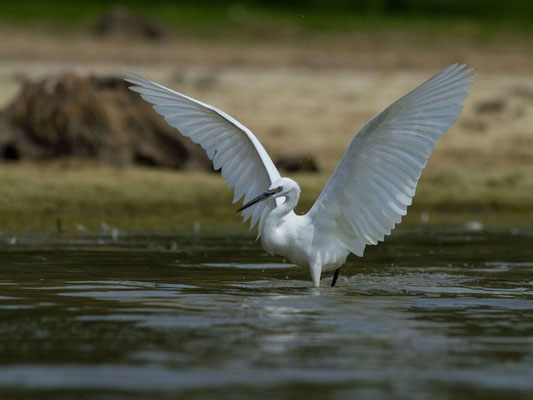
(436, 314)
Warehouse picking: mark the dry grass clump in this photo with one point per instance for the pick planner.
(92, 118)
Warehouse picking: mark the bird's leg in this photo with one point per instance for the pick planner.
(335, 277)
(315, 269)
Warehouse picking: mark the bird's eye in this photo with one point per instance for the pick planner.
(279, 189)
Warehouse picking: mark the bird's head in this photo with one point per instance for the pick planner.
(282, 187)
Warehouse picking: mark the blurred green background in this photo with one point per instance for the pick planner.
(213, 18)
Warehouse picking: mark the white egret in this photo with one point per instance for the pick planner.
(365, 197)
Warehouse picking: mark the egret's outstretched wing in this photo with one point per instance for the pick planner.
(373, 185)
(233, 148)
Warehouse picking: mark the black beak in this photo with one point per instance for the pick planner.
(259, 198)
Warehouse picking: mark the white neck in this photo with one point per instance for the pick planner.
(278, 213)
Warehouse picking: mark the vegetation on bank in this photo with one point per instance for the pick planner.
(76, 197)
(257, 17)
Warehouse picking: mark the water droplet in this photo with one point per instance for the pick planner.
(196, 227)
(474, 226)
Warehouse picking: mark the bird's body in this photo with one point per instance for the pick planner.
(293, 237)
(365, 197)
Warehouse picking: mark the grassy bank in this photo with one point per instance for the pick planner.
(92, 199)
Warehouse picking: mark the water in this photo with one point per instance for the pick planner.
(436, 314)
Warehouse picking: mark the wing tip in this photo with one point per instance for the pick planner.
(463, 70)
(457, 68)
(133, 78)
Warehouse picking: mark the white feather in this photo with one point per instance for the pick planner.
(233, 148)
(385, 160)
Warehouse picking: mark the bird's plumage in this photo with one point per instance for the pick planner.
(375, 181)
(367, 194)
(231, 146)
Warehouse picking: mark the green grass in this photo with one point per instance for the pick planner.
(87, 198)
(262, 19)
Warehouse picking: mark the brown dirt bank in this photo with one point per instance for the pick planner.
(312, 97)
